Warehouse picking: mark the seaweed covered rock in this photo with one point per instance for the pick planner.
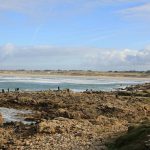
(63, 125)
(136, 138)
(1, 119)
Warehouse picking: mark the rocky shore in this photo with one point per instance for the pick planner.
(90, 120)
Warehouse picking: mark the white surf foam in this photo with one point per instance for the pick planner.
(63, 80)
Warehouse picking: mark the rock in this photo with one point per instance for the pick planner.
(63, 113)
(69, 120)
(27, 143)
(63, 125)
(1, 119)
(46, 127)
(71, 115)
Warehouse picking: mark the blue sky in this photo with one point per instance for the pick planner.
(81, 34)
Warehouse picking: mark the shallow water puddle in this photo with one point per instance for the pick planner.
(10, 114)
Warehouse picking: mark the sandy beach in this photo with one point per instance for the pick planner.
(92, 74)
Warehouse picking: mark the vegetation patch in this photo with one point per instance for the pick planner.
(134, 139)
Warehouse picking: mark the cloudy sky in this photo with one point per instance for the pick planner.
(75, 34)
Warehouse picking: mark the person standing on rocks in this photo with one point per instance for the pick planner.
(58, 88)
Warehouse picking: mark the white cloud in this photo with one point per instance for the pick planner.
(75, 57)
(124, 59)
(141, 11)
(6, 51)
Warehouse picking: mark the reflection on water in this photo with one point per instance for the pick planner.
(10, 114)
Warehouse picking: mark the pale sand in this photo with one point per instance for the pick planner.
(119, 75)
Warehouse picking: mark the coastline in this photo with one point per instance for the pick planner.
(68, 75)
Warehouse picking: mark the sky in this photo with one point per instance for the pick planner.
(75, 34)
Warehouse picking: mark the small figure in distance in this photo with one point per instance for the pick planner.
(16, 89)
(68, 90)
(3, 91)
(58, 88)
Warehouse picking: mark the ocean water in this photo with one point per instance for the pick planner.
(73, 83)
(10, 114)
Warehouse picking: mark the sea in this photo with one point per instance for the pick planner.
(73, 83)
(76, 84)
